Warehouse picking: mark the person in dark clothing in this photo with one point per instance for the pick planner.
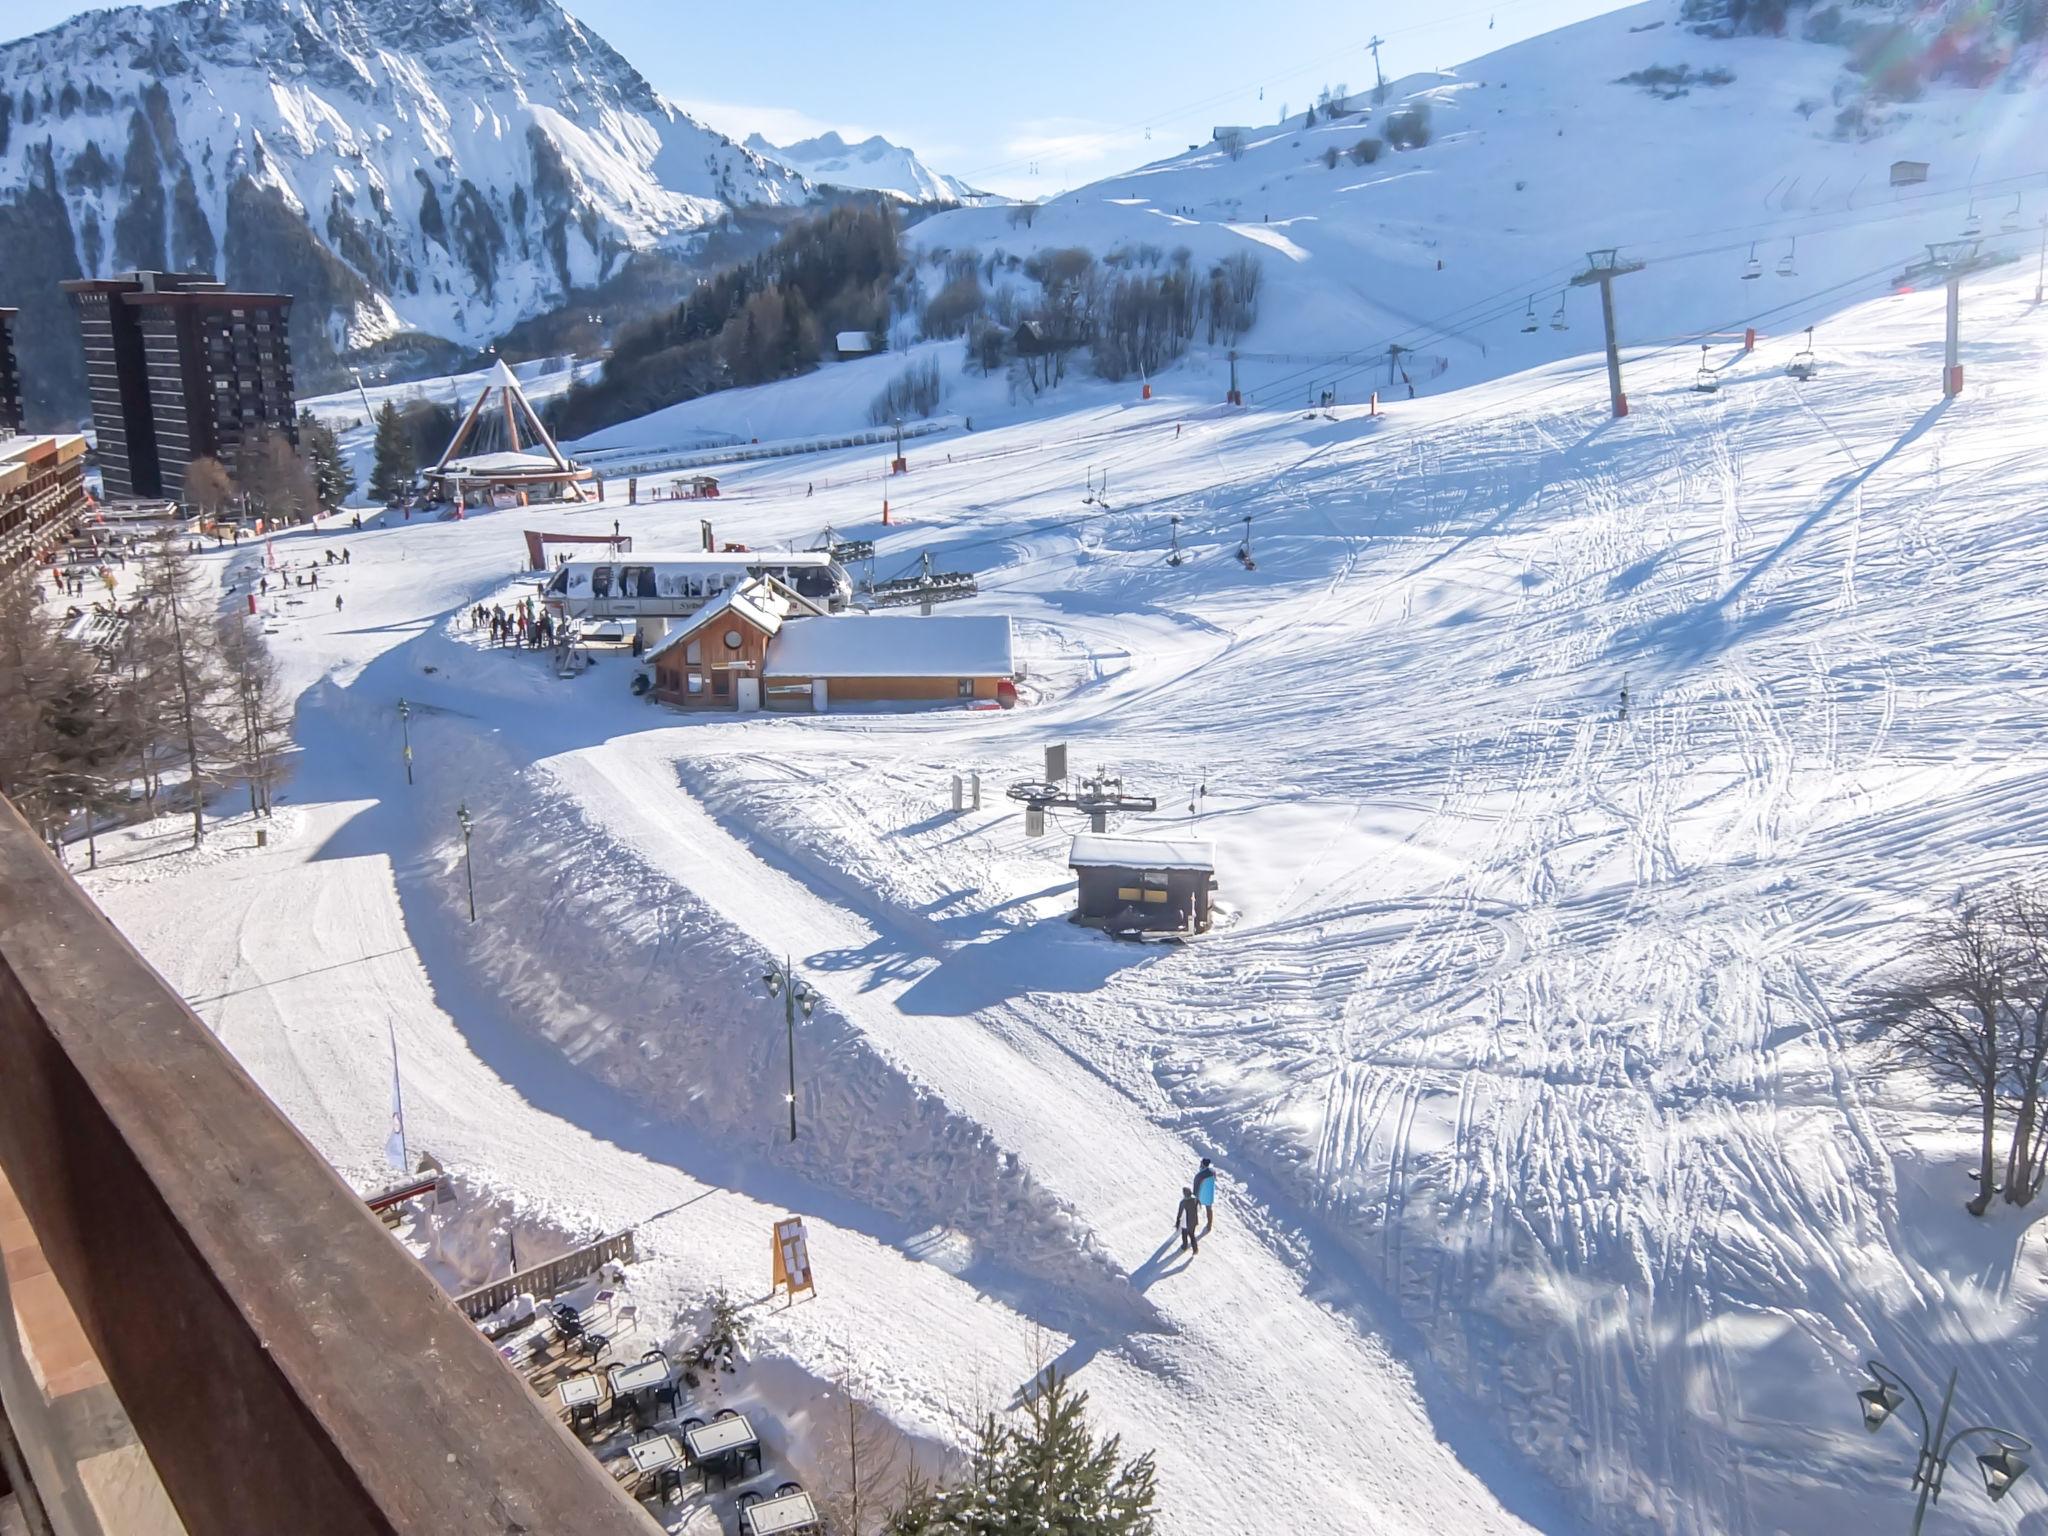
(1205, 1194)
(1190, 1217)
(337, 602)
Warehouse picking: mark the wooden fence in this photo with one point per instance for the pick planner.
(551, 1278)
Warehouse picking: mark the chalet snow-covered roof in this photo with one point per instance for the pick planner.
(1106, 850)
(761, 601)
(894, 645)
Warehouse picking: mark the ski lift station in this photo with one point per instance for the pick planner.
(762, 644)
(502, 456)
(1143, 884)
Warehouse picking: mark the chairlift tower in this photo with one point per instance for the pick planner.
(1379, 91)
(1603, 267)
(1950, 261)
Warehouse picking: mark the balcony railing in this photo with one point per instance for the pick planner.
(187, 1275)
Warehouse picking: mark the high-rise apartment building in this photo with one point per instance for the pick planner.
(10, 377)
(180, 367)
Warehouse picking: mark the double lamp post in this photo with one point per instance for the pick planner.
(2001, 1465)
(796, 993)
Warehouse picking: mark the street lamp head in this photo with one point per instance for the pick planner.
(462, 816)
(772, 980)
(1879, 1403)
(807, 1001)
(2002, 1468)
(404, 710)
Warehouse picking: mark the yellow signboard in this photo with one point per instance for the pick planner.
(792, 1259)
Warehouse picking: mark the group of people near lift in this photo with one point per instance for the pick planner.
(525, 624)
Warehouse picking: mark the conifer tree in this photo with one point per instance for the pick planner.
(1046, 1476)
(333, 481)
(391, 470)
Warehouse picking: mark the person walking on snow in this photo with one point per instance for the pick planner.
(1205, 1194)
(1190, 1213)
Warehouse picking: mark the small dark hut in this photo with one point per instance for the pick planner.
(1143, 884)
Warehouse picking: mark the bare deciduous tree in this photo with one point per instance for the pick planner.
(1943, 1010)
(867, 1461)
(250, 675)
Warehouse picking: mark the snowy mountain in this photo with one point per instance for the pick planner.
(443, 168)
(1659, 129)
(873, 165)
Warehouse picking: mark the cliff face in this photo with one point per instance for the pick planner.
(415, 170)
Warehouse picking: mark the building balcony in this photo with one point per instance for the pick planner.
(202, 1329)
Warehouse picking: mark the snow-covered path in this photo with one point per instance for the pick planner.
(1557, 1192)
(1244, 1329)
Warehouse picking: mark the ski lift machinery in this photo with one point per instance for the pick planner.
(927, 586)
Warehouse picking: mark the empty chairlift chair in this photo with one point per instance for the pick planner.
(1557, 321)
(1803, 364)
(1706, 381)
(1529, 321)
(2010, 223)
(1973, 226)
(1754, 267)
(1786, 266)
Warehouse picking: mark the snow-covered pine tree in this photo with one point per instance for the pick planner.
(1047, 1475)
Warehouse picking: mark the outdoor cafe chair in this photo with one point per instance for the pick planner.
(727, 1413)
(789, 1488)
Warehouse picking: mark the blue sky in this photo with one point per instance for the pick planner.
(1048, 97)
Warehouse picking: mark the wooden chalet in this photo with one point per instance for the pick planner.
(714, 658)
(761, 644)
(1143, 884)
(894, 658)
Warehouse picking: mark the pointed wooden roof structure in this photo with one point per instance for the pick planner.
(501, 446)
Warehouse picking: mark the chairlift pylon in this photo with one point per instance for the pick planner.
(1786, 266)
(1244, 550)
(1529, 321)
(1558, 321)
(1754, 267)
(1706, 381)
(1176, 557)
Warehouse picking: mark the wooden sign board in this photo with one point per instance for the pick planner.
(792, 1259)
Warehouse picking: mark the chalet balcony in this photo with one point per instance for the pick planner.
(202, 1329)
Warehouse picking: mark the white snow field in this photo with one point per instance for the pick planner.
(1539, 153)
(1556, 1196)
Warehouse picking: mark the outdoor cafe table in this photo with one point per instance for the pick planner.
(654, 1454)
(579, 1390)
(721, 1437)
(788, 1512)
(638, 1378)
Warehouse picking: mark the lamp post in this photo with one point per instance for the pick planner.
(2001, 1466)
(468, 869)
(795, 993)
(405, 726)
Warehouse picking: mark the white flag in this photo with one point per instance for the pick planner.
(394, 1144)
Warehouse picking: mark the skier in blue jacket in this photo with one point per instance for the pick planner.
(1205, 1192)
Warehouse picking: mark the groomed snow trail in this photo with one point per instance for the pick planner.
(1557, 1192)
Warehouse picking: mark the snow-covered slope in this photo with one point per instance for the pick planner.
(445, 168)
(1542, 152)
(1558, 1194)
(873, 165)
